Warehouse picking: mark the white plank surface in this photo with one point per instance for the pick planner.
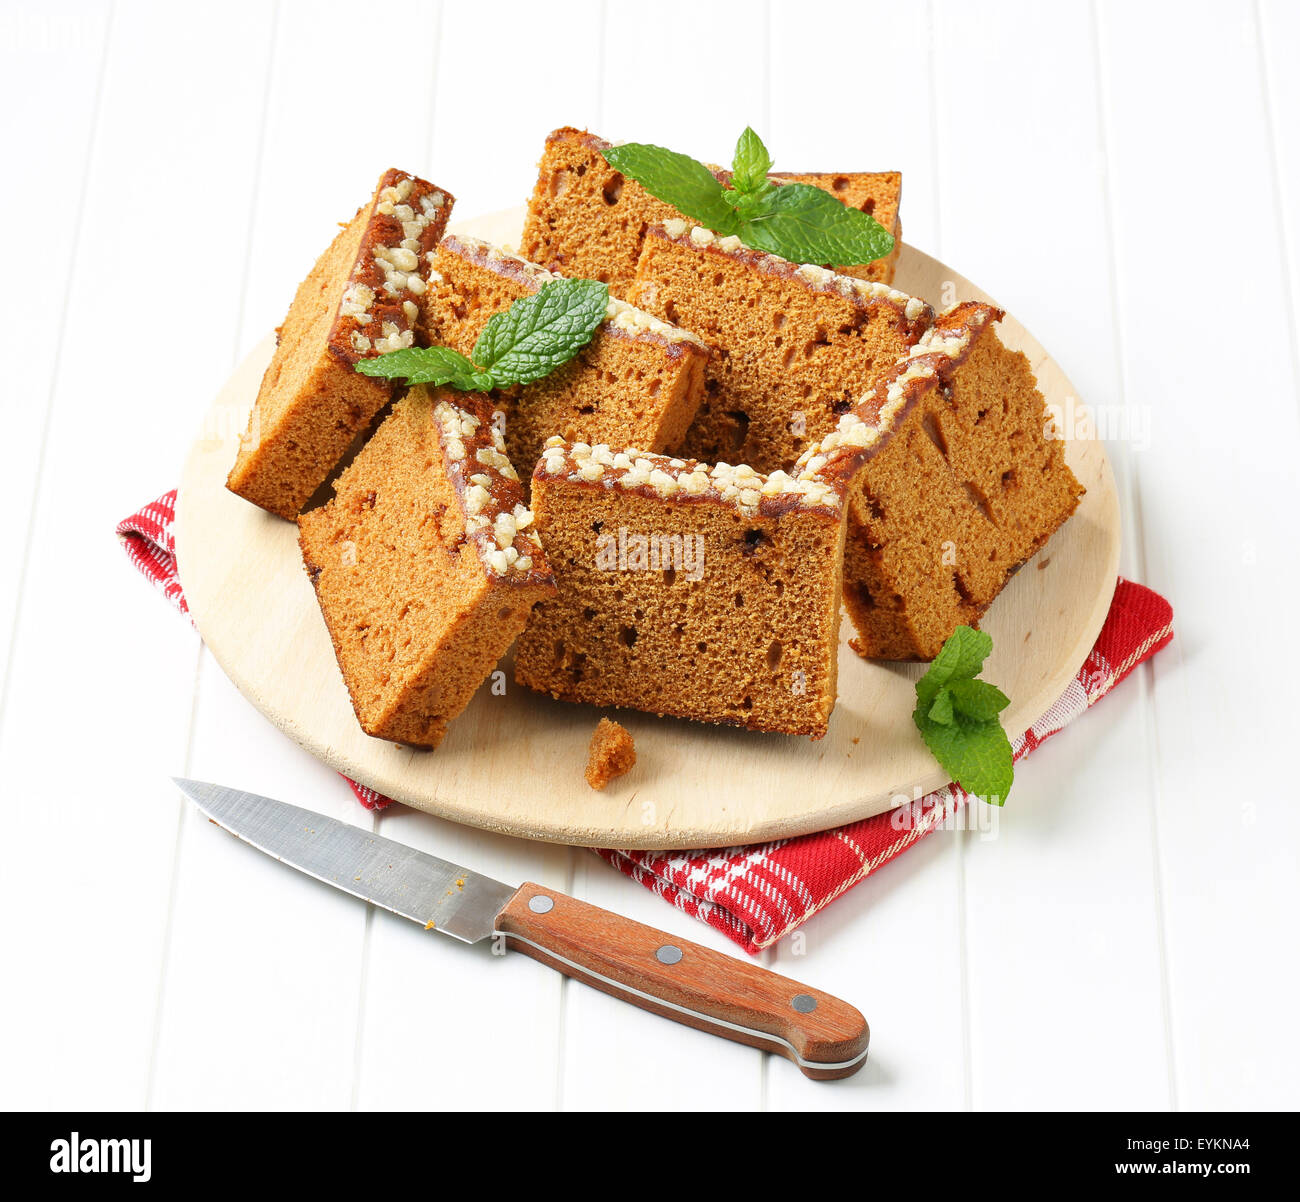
(1226, 819)
(54, 62)
(1113, 946)
(89, 796)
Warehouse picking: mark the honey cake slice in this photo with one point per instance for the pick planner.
(960, 481)
(587, 219)
(425, 564)
(795, 345)
(638, 382)
(684, 589)
(360, 300)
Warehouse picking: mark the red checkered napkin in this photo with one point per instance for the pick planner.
(757, 894)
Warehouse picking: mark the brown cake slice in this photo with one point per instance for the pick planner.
(360, 300)
(796, 346)
(587, 219)
(957, 483)
(425, 564)
(638, 382)
(701, 592)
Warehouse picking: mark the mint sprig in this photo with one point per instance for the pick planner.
(428, 365)
(541, 332)
(957, 716)
(796, 221)
(678, 180)
(523, 343)
(750, 164)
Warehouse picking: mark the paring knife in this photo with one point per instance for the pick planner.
(825, 1037)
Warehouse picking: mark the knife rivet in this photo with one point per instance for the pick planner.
(668, 954)
(539, 903)
(805, 1003)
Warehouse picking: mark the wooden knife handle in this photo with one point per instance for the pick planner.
(825, 1037)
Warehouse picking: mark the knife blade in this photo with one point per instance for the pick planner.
(824, 1036)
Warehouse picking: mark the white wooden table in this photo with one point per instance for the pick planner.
(1124, 176)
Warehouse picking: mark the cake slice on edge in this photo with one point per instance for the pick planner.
(703, 592)
(795, 345)
(587, 219)
(638, 382)
(960, 481)
(360, 300)
(425, 564)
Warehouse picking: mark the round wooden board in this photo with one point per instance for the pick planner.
(513, 763)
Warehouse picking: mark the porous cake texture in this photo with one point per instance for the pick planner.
(425, 564)
(612, 754)
(361, 299)
(638, 382)
(587, 219)
(795, 345)
(704, 592)
(959, 482)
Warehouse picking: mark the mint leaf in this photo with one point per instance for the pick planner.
(538, 333)
(523, 343)
(957, 716)
(678, 180)
(426, 365)
(941, 710)
(750, 205)
(961, 658)
(750, 164)
(805, 224)
(976, 754)
(976, 699)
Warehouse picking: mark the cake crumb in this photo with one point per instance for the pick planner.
(612, 753)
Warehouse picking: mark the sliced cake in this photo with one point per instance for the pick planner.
(361, 299)
(425, 564)
(959, 482)
(587, 219)
(795, 346)
(704, 592)
(638, 382)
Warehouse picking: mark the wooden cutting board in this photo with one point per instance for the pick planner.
(513, 761)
